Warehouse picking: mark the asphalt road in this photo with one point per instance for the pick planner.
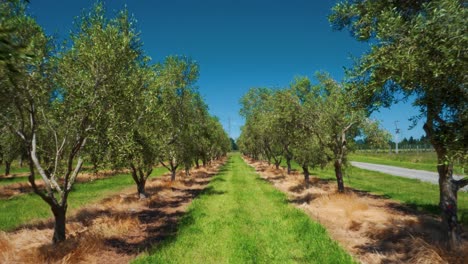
(426, 176)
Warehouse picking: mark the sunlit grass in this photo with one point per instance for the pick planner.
(240, 218)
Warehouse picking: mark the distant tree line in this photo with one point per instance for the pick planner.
(410, 143)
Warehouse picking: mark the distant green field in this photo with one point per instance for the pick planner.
(241, 218)
(412, 160)
(24, 208)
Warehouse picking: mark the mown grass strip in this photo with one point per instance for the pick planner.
(240, 218)
(24, 208)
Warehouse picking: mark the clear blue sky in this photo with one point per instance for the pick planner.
(238, 45)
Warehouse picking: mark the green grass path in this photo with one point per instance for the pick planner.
(21, 209)
(240, 218)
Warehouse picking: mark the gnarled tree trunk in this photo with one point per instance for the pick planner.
(448, 203)
(59, 225)
(339, 175)
(448, 187)
(140, 179)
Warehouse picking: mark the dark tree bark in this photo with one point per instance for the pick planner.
(306, 175)
(448, 187)
(448, 204)
(173, 174)
(197, 163)
(277, 164)
(7, 168)
(59, 225)
(339, 175)
(141, 187)
(288, 162)
(140, 177)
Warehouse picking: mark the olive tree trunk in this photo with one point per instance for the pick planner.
(448, 187)
(173, 174)
(140, 177)
(288, 162)
(59, 225)
(306, 175)
(7, 168)
(339, 174)
(448, 203)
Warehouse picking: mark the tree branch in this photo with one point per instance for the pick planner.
(461, 183)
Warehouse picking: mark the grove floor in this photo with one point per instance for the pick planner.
(231, 212)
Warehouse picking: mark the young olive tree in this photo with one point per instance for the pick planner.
(419, 51)
(175, 78)
(258, 107)
(336, 120)
(134, 141)
(308, 151)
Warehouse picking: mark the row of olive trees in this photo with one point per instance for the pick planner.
(311, 124)
(419, 51)
(99, 99)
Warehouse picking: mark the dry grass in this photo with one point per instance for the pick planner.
(5, 247)
(373, 229)
(74, 250)
(102, 233)
(109, 227)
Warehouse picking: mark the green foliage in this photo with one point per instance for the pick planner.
(98, 98)
(312, 124)
(420, 53)
(11, 146)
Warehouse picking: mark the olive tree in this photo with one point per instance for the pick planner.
(175, 77)
(258, 107)
(419, 51)
(55, 119)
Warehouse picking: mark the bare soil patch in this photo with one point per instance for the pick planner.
(115, 230)
(372, 228)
